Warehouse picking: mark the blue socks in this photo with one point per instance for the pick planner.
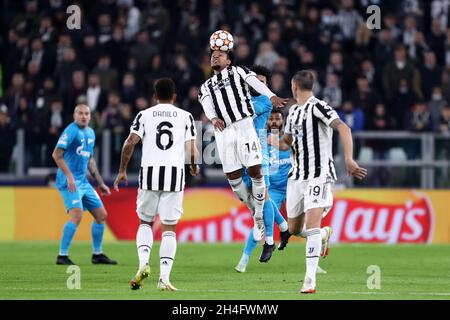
(250, 245)
(67, 236)
(268, 216)
(69, 230)
(97, 231)
(279, 219)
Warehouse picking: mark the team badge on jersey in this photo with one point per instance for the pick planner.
(298, 130)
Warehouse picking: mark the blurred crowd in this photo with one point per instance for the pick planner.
(395, 78)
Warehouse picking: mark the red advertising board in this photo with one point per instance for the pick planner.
(355, 220)
(216, 215)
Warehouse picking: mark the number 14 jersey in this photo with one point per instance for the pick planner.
(163, 129)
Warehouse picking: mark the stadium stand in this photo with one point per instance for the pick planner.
(395, 78)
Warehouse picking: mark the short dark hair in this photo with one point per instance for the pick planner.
(164, 88)
(304, 79)
(262, 70)
(278, 111)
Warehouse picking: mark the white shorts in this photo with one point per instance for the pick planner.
(238, 146)
(169, 206)
(305, 195)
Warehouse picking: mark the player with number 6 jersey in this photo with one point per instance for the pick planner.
(167, 134)
(166, 129)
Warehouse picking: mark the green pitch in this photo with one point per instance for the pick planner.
(206, 271)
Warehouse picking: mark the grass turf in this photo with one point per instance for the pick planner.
(206, 271)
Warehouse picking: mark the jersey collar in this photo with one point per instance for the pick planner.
(306, 102)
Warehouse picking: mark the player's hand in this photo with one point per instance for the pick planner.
(71, 184)
(278, 102)
(104, 190)
(121, 176)
(355, 170)
(218, 124)
(194, 169)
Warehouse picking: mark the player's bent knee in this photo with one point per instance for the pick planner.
(234, 175)
(75, 215)
(293, 229)
(146, 218)
(100, 215)
(295, 225)
(313, 218)
(146, 222)
(168, 225)
(255, 172)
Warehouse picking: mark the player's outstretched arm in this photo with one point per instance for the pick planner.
(127, 153)
(93, 170)
(278, 102)
(261, 88)
(345, 135)
(281, 144)
(58, 156)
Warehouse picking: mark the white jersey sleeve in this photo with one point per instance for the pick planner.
(245, 72)
(324, 112)
(138, 125)
(259, 86)
(288, 127)
(191, 131)
(205, 100)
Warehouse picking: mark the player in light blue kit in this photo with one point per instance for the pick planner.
(280, 164)
(73, 154)
(263, 108)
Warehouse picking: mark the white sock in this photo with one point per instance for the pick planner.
(323, 233)
(244, 259)
(167, 254)
(313, 247)
(269, 240)
(144, 242)
(283, 226)
(259, 193)
(240, 189)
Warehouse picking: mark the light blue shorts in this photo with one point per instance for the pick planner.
(277, 196)
(85, 197)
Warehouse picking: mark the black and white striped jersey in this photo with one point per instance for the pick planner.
(164, 129)
(309, 125)
(230, 95)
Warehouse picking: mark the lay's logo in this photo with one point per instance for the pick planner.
(354, 220)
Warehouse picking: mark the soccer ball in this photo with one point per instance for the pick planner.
(221, 40)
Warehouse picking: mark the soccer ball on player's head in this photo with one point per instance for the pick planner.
(221, 40)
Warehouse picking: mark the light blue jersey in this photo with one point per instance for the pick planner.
(271, 214)
(280, 164)
(79, 147)
(263, 107)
